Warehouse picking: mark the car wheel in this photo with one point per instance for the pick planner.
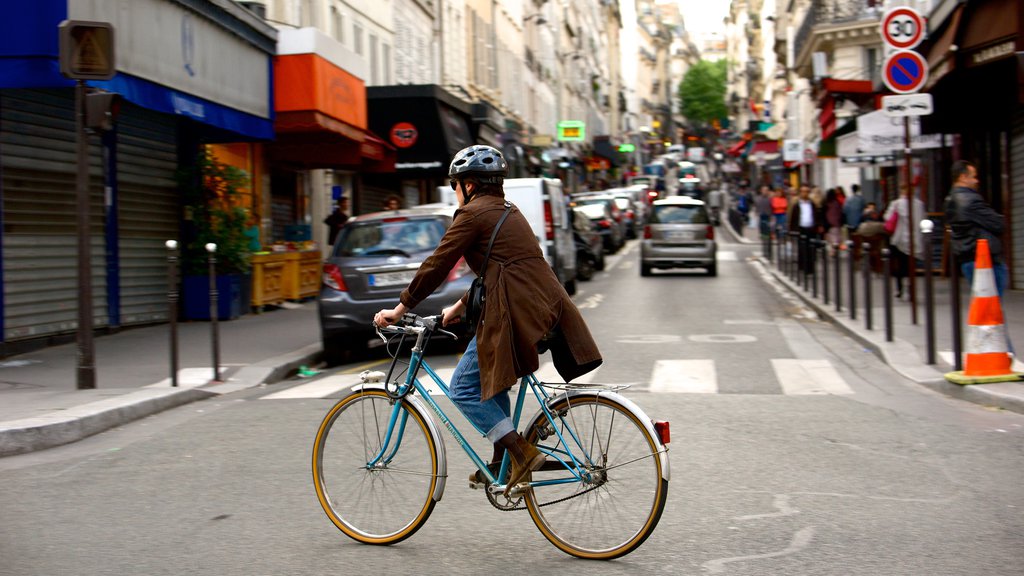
(570, 287)
(584, 266)
(645, 270)
(713, 269)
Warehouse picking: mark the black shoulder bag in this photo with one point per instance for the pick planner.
(477, 292)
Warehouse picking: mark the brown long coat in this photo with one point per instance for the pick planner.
(525, 300)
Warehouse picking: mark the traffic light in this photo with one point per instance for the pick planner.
(101, 110)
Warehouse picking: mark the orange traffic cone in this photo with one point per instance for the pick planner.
(987, 354)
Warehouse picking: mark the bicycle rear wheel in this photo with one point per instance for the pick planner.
(617, 507)
(388, 501)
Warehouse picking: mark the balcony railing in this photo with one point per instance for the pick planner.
(834, 12)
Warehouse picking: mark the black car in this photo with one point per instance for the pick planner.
(606, 216)
(589, 245)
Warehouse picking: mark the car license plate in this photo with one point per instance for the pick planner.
(680, 235)
(392, 278)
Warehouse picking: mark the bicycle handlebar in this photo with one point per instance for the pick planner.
(410, 323)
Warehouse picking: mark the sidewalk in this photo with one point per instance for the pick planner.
(41, 408)
(907, 354)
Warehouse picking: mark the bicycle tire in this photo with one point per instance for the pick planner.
(614, 514)
(391, 501)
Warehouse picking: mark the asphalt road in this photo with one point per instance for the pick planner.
(794, 452)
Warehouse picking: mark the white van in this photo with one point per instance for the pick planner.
(542, 202)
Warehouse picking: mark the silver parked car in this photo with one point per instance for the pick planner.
(678, 234)
(373, 259)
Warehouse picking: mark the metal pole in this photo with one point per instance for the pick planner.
(839, 278)
(824, 270)
(912, 264)
(814, 267)
(805, 244)
(929, 290)
(954, 292)
(852, 280)
(866, 248)
(211, 250)
(887, 293)
(794, 261)
(86, 372)
(172, 305)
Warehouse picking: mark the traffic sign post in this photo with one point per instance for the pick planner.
(905, 72)
(902, 28)
(897, 106)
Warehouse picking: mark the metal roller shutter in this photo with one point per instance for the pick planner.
(1016, 199)
(148, 205)
(37, 160)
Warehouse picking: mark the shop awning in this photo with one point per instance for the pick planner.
(603, 148)
(310, 140)
(942, 60)
(738, 148)
(765, 149)
(426, 125)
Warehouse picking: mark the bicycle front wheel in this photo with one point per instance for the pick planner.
(375, 494)
(622, 495)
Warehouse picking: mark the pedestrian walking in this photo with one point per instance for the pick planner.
(805, 218)
(899, 238)
(833, 212)
(853, 209)
(780, 205)
(336, 220)
(971, 218)
(763, 203)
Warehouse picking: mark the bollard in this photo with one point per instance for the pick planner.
(866, 248)
(954, 293)
(814, 267)
(172, 305)
(794, 255)
(852, 281)
(839, 278)
(887, 294)
(929, 290)
(824, 270)
(211, 250)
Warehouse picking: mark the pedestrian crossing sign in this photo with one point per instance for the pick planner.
(87, 50)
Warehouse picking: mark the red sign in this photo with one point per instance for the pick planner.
(905, 72)
(404, 135)
(902, 28)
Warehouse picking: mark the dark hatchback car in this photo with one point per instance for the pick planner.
(373, 259)
(606, 216)
(589, 245)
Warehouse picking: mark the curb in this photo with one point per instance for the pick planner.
(897, 355)
(67, 426)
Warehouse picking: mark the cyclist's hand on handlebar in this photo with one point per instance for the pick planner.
(388, 317)
(452, 314)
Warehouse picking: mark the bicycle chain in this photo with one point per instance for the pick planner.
(515, 507)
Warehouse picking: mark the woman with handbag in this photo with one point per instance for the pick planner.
(899, 227)
(524, 306)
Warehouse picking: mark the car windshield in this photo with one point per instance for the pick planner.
(679, 214)
(593, 209)
(390, 237)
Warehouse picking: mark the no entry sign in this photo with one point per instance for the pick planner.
(905, 72)
(902, 28)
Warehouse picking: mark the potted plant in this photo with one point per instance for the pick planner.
(213, 214)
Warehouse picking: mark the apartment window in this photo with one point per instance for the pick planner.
(306, 18)
(385, 63)
(374, 62)
(874, 71)
(338, 21)
(357, 38)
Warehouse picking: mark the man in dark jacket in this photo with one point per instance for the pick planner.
(970, 218)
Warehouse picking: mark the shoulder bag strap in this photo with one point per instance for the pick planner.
(490, 244)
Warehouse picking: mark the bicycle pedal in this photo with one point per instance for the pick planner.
(477, 485)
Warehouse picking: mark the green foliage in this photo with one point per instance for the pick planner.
(210, 190)
(702, 92)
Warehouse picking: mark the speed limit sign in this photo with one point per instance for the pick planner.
(902, 28)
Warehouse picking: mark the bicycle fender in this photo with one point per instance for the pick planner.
(417, 405)
(629, 405)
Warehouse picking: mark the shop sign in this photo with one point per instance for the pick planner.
(404, 135)
(572, 131)
(627, 148)
(992, 53)
(880, 134)
(792, 150)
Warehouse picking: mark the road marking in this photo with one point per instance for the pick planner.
(685, 376)
(722, 338)
(727, 256)
(650, 339)
(947, 357)
(592, 301)
(808, 376)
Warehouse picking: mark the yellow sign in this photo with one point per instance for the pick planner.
(87, 50)
(572, 131)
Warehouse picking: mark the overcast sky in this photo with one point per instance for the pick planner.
(704, 15)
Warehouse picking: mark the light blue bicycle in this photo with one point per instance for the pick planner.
(379, 463)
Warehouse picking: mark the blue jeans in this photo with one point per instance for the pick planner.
(1002, 274)
(490, 417)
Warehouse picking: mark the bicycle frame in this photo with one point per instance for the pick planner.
(530, 381)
